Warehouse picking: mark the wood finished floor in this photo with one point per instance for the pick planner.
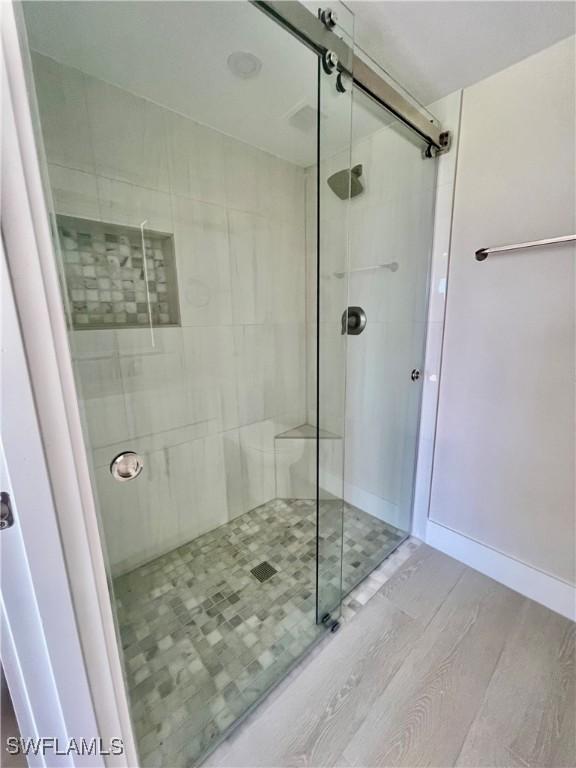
(442, 667)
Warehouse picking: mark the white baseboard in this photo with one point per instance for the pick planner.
(555, 594)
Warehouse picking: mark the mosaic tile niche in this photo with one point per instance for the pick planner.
(108, 282)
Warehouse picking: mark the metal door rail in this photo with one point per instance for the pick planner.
(316, 35)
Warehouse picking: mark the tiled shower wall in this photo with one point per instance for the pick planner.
(201, 402)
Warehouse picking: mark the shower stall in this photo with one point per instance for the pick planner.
(242, 212)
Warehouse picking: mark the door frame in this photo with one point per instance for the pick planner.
(99, 685)
(40, 648)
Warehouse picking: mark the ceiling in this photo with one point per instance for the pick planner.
(434, 48)
(175, 54)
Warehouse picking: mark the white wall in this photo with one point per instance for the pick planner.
(204, 403)
(447, 110)
(504, 459)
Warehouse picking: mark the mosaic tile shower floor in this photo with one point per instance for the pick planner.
(204, 639)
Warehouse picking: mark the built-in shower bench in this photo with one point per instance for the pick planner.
(295, 460)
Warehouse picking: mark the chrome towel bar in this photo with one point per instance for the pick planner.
(482, 253)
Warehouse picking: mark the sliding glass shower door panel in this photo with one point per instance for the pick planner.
(391, 228)
(333, 181)
(185, 212)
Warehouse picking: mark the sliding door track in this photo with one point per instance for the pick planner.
(318, 36)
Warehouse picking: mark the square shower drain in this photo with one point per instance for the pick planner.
(264, 571)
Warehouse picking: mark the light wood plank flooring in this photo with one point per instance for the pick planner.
(442, 667)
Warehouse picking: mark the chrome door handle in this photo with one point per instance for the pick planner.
(126, 466)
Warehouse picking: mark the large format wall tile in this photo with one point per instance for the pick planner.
(251, 246)
(134, 206)
(203, 262)
(99, 377)
(153, 376)
(257, 463)
(267, 269)
(128, 136)
(284, 192)
(105, 418)
(75, 193)
(286, 257)
(196, 159)
(154, 362)
(289, 354)
(244, 177)
(151, 411)
(197, 487)
(86, 346)
(135, 341)
(233, 471)
(255, 370)
(270, 367)
(211, 375)
(64, 115)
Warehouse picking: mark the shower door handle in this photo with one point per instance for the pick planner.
(126, 466)
(353, 321)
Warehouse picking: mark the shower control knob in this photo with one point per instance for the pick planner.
(328, 17)
(353, 321)
(415, 375)
(329, 62)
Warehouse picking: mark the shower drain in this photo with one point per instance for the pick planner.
(263, 571)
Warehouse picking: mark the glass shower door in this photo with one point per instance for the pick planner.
(391, 229)
(330, 340)
(188, 263)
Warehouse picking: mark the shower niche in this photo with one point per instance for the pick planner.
(118, 277)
